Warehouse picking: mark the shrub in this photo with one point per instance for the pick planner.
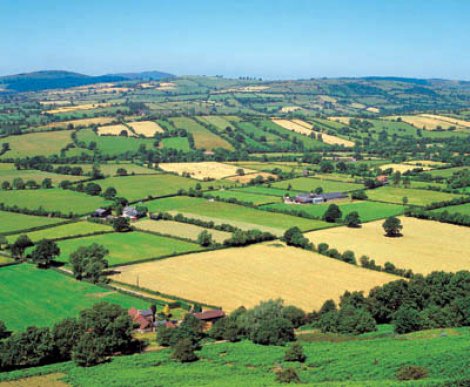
(407, 319)
(295, 352)
(287, 375)
(411, 372)
(184, 352)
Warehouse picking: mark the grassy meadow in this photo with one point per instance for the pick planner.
(245, 197)
(61, 200)
(418, 197)
(236, 215)
(308, 184)
(37, 144)
(11, 221)
(128, 247)
(31, 296)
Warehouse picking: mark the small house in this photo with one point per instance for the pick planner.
(145, 319)
(312, 198)
(209, 317)
(382, 179)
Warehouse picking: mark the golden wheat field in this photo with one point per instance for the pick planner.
(432, 121)
(182, 230)
(87, 106)
(426, 245)
(327, 138)
(114, 130)
(82, 122)
(428, 163)
(343, 120)
(373, 109)
(145, 128)
(293, 126)
(55, 103)
(245, 276)
(288, 109)
(203, 170)
(403, 167)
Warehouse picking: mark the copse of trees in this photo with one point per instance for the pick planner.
(88, 262)
(294, 237)
(244, 238)
(44, 253)
(98, 333)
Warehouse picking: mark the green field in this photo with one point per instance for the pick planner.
(263, 190)
(178, 143)
(61, 200)
(446, 172)
(203, 138)
(114, 145)
(370, 360)
(11, 221)
(463, 209)
(64, 231)
(8, 172)
(128, 247)
(31, 296)
(418, 197)
(310, 183)
(37, 144)
(367, 210)
(110, 169)
(240, 216)
(245, 197)
(140, 187)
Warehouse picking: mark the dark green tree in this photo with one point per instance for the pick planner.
(44, 253)
(353, 220)
(407, 319)
(20, 245)
(184, 351)
(205, 238)
(88, 262)
(392, 227)
(121, 224)
(332, 214)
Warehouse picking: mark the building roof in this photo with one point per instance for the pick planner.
(209, 314)
(146, 313)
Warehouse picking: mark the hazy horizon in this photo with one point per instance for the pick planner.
(298, 39)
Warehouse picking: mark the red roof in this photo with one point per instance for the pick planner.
(210, 314)
(143, 322)
(133, 312)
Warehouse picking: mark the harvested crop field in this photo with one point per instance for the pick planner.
(203, 170)
(37, 144)
(432, 122)
(293, 126)
(182, 230)
(145, 128)
(342, 120)
(426, 245)
(248, 177)
(81, 122)
(403, 167)
(326, 138)
(114, 130)
(69, 109)
(255, 273)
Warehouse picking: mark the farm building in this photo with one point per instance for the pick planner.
(132, 213)
(144, 318)
(101, 213)
(209, 317)
(312, 198)
(382, 179)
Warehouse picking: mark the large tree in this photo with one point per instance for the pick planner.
(88, 262)
(44, 253)
(332, 214)
(392, 227)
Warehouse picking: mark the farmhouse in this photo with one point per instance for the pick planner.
(145, 319)
(382, 179)
(311, 198)
(132, 213)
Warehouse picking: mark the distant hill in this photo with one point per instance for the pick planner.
(57, 79)
(146, 75)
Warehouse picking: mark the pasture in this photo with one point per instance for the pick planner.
(74, 108)
(367, 210)
(448, 172)
(141, 187)
(326, 138)
(11, 222)
(9, 173)
(308, 184)
(432, 121)
(181, 230)
(114, 145)
(243, 217)
(37, 144)
(418, 197)
(463, 209)
(31, 296)
(145, 128)
(255, 273)
(426, 245)
(245, 197)
(264, 190)
(178, 143)
(64, 231)
(203, 138)
(203, 170)
(128, 247)
(51, 200)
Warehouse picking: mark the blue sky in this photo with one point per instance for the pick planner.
(264, 38)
